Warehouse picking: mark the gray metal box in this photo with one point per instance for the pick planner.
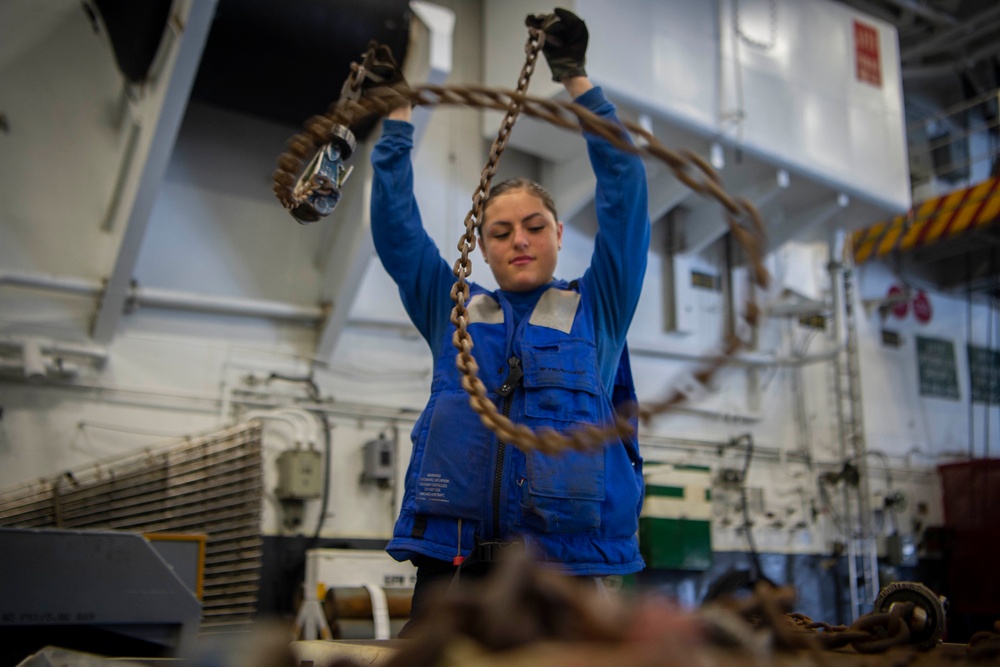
(379, 461)
(300, 474)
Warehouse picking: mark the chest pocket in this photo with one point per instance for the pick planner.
(563, 493)
(560, 382)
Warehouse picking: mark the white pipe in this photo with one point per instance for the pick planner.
(311, 425)
(647, 349)
(48, 370)
(52, 282)
(228, 305)
(56, 349)
(296, 425)
(166, 298)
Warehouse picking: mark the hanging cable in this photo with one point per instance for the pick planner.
(968, 341)
(736, 580)
(327, 450)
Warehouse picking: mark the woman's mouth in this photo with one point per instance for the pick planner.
(521, 260)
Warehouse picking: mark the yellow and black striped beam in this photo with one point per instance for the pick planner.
(938, 219)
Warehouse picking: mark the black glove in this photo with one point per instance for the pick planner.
(565, 45)
(381, 67)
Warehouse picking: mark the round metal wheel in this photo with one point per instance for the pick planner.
(927, 622)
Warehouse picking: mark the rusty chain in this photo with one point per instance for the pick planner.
(522, 608)
(356, 104)
(901, 626)
(876, 632)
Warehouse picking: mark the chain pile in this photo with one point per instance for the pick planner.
(526, 614)
(985, 644)
(357, 104)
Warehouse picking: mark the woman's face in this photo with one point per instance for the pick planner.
(520, 240)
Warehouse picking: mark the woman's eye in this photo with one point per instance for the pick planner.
(501, 235)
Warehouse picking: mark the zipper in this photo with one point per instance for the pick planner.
(514, 377)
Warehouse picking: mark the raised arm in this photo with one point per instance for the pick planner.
(614, 280)
(405, 249)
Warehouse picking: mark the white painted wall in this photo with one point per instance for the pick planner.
(776, 79)
(216, 229)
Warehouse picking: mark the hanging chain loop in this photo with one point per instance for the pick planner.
(356, 104)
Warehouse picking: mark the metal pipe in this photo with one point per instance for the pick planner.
(173, 299)
(56, 349)
(298, 433)
(166, 298)
(740, 360)
(52, 282)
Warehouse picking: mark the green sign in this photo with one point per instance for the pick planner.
(984, 375)
(936, 365)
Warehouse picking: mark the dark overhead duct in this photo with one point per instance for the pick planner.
(286, 61)
(135, 30)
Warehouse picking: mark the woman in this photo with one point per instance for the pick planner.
(550, 353)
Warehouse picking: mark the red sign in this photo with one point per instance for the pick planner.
(897, 301)
(922, 308)
(867, 61)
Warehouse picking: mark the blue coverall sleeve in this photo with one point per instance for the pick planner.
(407, 252)
(618, 265)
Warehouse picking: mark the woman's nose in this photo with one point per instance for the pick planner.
(520, 238)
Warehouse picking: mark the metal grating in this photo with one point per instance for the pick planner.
(212, 485)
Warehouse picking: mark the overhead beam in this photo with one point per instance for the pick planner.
(956, 37)
(922, 10)
(706, 224)
(665, 194)
(348, 247)
(159, 116)
(806, 221)
(349, 255)
(571, 183)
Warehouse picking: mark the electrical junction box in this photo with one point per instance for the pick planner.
(379, 461)
(675, 527)
(300, 475)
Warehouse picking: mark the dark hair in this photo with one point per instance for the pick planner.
(517, 185)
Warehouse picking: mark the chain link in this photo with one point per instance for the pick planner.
(773, 30)
(743, 220)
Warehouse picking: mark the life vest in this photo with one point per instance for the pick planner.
(579, 509)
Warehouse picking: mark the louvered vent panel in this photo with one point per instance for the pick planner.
(212, 485)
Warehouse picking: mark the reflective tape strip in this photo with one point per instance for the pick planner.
(556, 309)
(484, 310)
